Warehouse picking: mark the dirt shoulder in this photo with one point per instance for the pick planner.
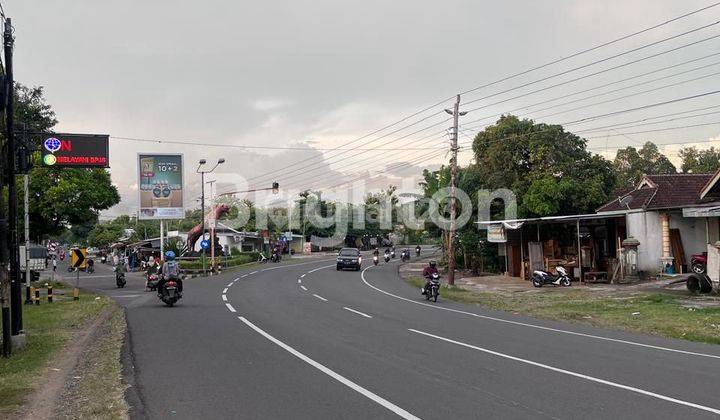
(71, 366)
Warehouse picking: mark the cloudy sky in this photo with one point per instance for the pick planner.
(315, 75)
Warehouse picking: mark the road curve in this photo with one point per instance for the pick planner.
(305, 341)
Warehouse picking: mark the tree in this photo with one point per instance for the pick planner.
(549, 170)
(700, 161)
(59, 198)
(631, 164)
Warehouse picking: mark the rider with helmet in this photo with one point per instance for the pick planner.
(428, 273)
(170, 271)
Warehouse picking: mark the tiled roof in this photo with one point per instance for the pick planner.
(661, 192)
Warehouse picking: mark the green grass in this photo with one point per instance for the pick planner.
(47, 328)
(657, 313)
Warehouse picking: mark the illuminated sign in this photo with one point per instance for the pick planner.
(76, 150)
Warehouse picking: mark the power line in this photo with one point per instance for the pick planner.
(236, 146)
(576, 54)
(591, 75)
(655, 130)
(552, 76)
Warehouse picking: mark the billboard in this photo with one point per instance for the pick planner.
(76, 150)
(160, 186)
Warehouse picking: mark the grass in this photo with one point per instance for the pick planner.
(47, 328)
(244, 258)
(655, 313)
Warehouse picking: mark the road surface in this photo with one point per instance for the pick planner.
(300, 340)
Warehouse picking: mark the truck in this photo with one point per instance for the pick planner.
(36, 256)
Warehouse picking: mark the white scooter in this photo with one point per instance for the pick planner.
(541, 277)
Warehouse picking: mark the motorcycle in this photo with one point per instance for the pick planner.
(698, 263)
(90, 269)
(417, 251)
(103, 259)
(375, 259)
(152, 282)
(405, 255)
(392, 253)
(433, 289)
(119, 278)
(387, 257)
(170, 293)
(275, 258)
(541, 277)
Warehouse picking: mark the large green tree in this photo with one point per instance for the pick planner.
(631, 164)
(700, 161)
(549, 170)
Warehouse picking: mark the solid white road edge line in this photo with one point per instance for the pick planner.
(254, 272)
(350, 384)
(229, 284)
(320, 297)
(540, 327)
(244, 275)
(357, 312)
(224, 298)
(225, 290)
(304, 288)
(571, 373)
(230, 307)
(303, 275)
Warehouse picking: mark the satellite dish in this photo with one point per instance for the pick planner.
(625, 201)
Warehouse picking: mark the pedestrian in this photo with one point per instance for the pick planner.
(54, 264)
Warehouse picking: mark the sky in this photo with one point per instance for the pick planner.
(320, 74)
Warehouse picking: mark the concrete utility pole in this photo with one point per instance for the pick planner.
(453, 182)
(16, 324)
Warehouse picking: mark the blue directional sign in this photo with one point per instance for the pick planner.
(205, 244)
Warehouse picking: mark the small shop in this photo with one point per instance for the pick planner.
(587, 245)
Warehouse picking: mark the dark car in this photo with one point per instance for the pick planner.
(349, 258)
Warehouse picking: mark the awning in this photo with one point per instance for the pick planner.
(558, 219)
(701, 212)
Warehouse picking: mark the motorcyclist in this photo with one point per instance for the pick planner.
(417, 249)
(376, 252)
(428, 273)
(152, 268)
(90, 265)
(170, 271)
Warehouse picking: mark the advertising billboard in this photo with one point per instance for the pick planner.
(76, 150)
(160, 186)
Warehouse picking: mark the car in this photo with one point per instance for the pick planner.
(349, 258)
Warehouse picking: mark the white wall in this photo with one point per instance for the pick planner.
(692, 233)
(646, 228)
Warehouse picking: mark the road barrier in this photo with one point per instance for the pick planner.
(37, 296)
(50, 293)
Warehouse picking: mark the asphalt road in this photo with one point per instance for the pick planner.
(300, 340)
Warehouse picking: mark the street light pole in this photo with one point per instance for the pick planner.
(202, 200)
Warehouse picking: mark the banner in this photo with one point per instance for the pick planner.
(496, 233)
(160, 186)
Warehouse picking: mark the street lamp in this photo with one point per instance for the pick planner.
(202, 173)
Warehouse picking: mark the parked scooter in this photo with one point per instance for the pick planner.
(433, 289)
(541, 277)
(275, 257)
(698, 263)
(376, 259)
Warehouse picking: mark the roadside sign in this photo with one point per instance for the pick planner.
(212, 223)
(288, 236)
(78, 257)
(76, 150)
(205, 244)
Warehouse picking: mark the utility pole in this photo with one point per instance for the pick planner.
(212, 227)
(453, 182)
(26, 206)
(4, 256)
(15, 287)
(202, 215)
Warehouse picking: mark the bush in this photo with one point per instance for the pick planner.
(237, 259)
